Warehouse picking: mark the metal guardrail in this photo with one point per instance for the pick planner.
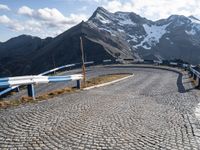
(173, 63)
(89, 63)
(65, 66)
(26, 80)
(56, 69)
(44, 73)
(107, 60)
(9, 90)
(16, 87)
(194, 74)
(157, 61)
(30, 81)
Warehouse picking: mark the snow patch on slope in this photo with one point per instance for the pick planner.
(124, 19)
(102, 19)
(167, 38)
(121, 30)
(107, 30)
(133, 38)
(153, 35)
(126, 22)
(191, 32)
(193, 20)
(104, 29)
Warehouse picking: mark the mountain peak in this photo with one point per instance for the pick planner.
(192, 17)
(101, 14)
(23, 37)
(176, 17)
(101, 9)
(194, 20)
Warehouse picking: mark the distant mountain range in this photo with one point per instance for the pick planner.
(105, 35)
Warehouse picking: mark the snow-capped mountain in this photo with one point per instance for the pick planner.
(174, 37)
(106, 35)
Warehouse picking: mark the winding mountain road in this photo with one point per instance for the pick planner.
(152, 110)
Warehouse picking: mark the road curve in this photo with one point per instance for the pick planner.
(147, 111)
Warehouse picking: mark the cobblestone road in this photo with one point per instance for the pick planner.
(151, 110)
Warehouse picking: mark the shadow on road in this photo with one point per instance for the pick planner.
(181, 88)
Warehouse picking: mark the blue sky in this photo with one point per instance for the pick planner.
(51, 17)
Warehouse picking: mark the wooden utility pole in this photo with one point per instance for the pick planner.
(83, 63)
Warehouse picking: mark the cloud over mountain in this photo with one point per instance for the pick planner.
(51, 16)
(4, 7)
(153, 9)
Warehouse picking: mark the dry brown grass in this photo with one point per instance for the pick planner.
(195, 84)
(56, 92)
(4, 104)
(104, 78)
(26, 99)
(184, 72)
(193, 81)
(67, 90)
(9, 103)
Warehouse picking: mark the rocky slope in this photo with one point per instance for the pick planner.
(31, 55)
(65, 48)
(16, 54)
(176, 37)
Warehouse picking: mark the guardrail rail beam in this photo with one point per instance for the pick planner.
(30, 81)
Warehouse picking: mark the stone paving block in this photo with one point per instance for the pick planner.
(148, 111)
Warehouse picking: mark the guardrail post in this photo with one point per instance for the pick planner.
(191, 73)
(16, 89)
(31, 91)
(194, 76)
(198, 86)
(185, 68)
(78, 84)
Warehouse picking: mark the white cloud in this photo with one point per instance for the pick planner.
(52, 16)
(155, 9)
(4, 19)
(48, 14)
(4, 7)
(16, 26)
(42, 22)
(24, 10)
(11, 24)
(74, 18)
(33, 25)
(116, 5)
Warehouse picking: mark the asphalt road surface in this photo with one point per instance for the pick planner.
(152, 110)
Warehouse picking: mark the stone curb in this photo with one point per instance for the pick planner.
(108, 83)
